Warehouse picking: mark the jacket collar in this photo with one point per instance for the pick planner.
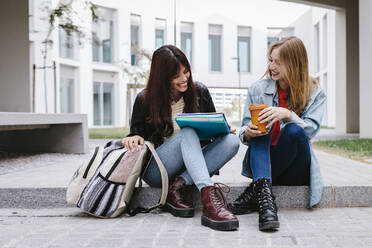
(271, 87)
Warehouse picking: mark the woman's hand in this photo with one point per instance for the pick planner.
(232, 130)
(132, 143)
(252, 132)
(274, 114)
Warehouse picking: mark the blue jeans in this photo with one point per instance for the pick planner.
(182, 155)
(286, 163)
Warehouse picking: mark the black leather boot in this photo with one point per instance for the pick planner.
(267, 209)
(246, 202)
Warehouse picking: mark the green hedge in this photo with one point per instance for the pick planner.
(359, 149)
(108, 133)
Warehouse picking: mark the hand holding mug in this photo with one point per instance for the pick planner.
(274, 114)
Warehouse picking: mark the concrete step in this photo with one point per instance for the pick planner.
(39, 181)
(287, 197)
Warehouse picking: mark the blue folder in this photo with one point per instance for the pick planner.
(207, 125)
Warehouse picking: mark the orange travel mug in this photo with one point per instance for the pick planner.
(255, 110)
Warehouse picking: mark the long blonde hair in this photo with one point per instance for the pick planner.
(294, 68)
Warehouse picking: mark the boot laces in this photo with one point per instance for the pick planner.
(217, 194)
(246, 194)
(266, 199)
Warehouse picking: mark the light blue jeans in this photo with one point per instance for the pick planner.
(182, 155)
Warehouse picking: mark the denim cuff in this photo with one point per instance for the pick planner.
(241, 135)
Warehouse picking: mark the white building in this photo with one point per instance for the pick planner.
(21, 42)
(316, 28)
(213, 35)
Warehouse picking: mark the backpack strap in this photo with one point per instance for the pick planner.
(164, 180)
(164, 176)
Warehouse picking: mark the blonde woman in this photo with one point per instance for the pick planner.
(283, 155)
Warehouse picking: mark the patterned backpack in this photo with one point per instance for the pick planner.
(104, 184)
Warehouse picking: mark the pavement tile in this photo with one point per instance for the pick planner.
(347, 232)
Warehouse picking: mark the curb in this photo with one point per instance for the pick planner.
(286, 197)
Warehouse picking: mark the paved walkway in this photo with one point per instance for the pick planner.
(55, 170)
(69, 227)
(337, 227)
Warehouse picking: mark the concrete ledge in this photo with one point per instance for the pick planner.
(287, 197)
(25, 118)
(30, 132)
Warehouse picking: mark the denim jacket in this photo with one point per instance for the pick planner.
(265, 92)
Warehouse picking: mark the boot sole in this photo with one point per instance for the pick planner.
(241, 211)
(269, 225)
(179, 212)
(225, 225)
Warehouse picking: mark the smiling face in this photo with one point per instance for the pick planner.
(274, 65)
(179, 83)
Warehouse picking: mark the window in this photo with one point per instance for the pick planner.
(186, 39)
(270, 40)
(66, 94)
(159, 38)
(67, 89)
(66, 44)
(135, 24)
(275, 34)
(214, 47)
(103, 103)
(160, 27)
(103, 36)
(244, 49)
(325, 41)
(316, 48)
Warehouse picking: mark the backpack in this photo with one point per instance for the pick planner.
(104, 184)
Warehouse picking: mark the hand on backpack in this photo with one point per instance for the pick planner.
(132, 143)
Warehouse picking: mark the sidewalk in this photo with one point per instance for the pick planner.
(39, 181)
(33, 212)
(69, 228)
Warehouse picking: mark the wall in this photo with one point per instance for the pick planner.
(15, 88)
(304, 29)
(365, 41)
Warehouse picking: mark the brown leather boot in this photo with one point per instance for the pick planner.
(176, 203)
(215, 212)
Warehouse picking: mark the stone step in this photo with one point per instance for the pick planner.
(287, 197)
(40, 180)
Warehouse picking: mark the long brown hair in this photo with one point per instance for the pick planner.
(165, 66)
(294, 68)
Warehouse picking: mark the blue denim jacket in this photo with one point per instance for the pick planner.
(265, 92)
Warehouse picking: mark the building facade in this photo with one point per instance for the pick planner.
(316, 28)
(226, 47)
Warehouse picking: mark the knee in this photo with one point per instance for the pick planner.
(294, 131)
(189, 132)
(232, 143)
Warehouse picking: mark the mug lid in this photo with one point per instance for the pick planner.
(257, 106)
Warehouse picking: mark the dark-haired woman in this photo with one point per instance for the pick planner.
(170, 90)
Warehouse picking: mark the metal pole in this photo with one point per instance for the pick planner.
(33, 87)
(239, 71)
(240, 97)
(55, 86)
(175, 23)
(45, 80)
